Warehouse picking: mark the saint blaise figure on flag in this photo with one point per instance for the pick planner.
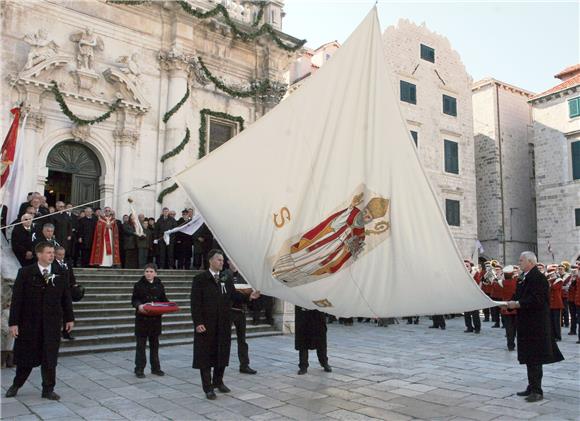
(333, 244)
(105, 250)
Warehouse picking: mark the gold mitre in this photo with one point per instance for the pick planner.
(377, 207)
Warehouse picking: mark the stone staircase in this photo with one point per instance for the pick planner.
(105, 319)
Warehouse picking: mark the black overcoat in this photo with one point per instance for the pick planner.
(63, 229)
(147, 292)
(38, 309)
(183, 242)
(310, 328)
(86, 231)
(211, 303)
(21, 242)
(536, 342)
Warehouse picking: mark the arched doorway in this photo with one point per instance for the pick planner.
(73, 174)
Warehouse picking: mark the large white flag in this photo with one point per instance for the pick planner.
(323, 201)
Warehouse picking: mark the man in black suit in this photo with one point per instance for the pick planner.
(40, 303)
(45, 236)
(66, 267)
(21, 241)
(166, 251)
(63, 227)
(212, 295)
(535, 341)
(85, 234)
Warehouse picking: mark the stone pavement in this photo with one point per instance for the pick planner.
(398, 372)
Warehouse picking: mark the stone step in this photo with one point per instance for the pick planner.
(129, 278)
(129, 289)
(123, 337)
(172, 324)
(122, 297)
(87, 304)
(136, 272)
(107, 312)
(79, 349)
(97, 321)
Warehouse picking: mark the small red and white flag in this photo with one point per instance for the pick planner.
(8, 151)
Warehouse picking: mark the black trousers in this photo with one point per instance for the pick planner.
(573, 319)
(184, 263)
(535, 374)
(140, 357)
(320, 353)
(495, 314)
(565, 314)
(207, 382)
(509, 323)
(165, 259)
(555, 316)
(85, 257)
(439, 321)
(265, 303)
(48, 377)
(472, 320)
(239, 321)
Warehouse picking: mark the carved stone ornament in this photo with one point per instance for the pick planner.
(126, 136)
(41, 48)
(36, 120)
(81, 133)
(87, 42)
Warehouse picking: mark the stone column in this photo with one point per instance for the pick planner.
(177, 66)
(125, 140)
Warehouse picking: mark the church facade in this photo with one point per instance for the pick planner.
(120, 95)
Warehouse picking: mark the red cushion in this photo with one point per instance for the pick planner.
(159, 308)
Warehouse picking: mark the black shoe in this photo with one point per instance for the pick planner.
(495, 326)
(578, 341)
(247, 370)
(66, 335)
(327, 368)
(511, 349)
(211, 395)
(139, 374)
(50, 396)
(158, 372)
(468, 331)
(416, 322)
(442, 327)
(571, 333)
(223, 388)
(477, 332)
(432, 327)
(302, 371)
(526, 392)
(534, 397)
(12, 391)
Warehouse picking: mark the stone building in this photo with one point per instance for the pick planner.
(556, 136)
(435, 96)
(308, 62)
(140, 61)
(506, 203)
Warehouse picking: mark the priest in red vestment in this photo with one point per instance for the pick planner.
(105, 251)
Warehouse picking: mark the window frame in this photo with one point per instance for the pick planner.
(415, 137)
(448, 202)
(453, 111)
(575, 169)
(445, 143)
(577, 217)
(425, 48)
(574, 101)
(413, 100)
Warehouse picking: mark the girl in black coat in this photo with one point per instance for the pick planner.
(149, 289)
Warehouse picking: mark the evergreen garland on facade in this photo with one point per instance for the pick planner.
(166, 191)
(178, 148)
(176, 107)
(245, 36)
(259, 15)
(59, 98)
(257, 88)
(203, 126)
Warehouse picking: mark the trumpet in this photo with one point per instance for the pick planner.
(489, 276)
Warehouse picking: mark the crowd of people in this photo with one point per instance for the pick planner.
(97, 238)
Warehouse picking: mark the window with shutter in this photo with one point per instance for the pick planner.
(574, 107)
(451, 157)
(449, 105)
(408, 92)
(427, 53)
(452, 212)
(577, 212)
(575, 146)
(415, 137)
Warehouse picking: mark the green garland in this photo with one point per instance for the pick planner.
(203, 126)
(178, 148)
(72, 116)
(245, 36)
(176, 107)
(166, 191)
(259, 15)
(257, 88)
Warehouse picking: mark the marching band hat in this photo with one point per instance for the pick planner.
(509, 269)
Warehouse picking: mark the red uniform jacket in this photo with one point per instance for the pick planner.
(507, 294)
(565, 285)
(556, 302)
(577, 300)
(496, 290)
